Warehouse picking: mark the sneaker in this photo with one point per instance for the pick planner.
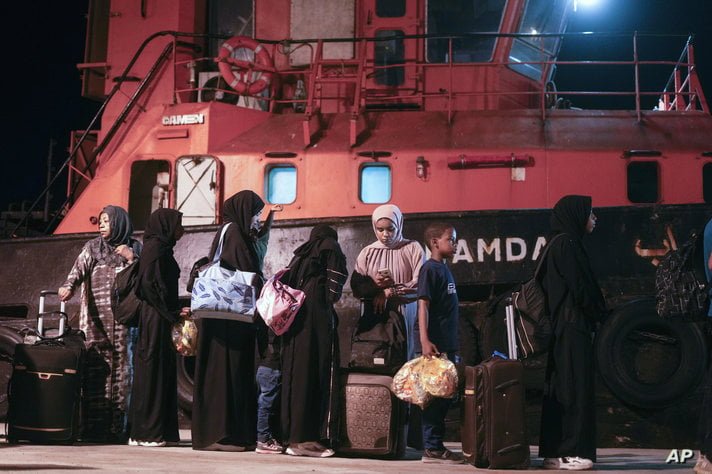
(271, 446)
(568, 463)
(703, 465)
(147, 444)
(442, 456)
(310, 448)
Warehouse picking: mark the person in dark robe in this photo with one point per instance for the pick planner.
(224, 392)
(153, 410)
(575, 305)
(310, 359)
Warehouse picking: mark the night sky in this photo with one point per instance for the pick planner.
(44, 41)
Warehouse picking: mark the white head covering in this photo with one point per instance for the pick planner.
(393, 214)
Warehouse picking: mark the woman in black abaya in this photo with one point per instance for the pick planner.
(575, 303)
(153, 412)
(224, 393)
(310, 360)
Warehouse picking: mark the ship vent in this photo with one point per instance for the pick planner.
(280, 154)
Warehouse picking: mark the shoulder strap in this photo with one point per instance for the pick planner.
(540, 262)
(218, 251)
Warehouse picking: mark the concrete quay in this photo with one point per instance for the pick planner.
(115, 458)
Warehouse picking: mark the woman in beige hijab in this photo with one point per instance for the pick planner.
(388, 268)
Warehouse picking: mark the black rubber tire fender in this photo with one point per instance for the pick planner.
(9, 338)
(649, 362)
(185, 368)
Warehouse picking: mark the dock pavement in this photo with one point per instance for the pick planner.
(116, 458)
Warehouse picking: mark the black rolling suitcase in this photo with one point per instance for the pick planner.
(493, 424)
(44, 391)
(373, 420)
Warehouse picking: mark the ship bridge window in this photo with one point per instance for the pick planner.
(388, 54)
(390, 8)
(707, 183)
(461, 18)
(375, 183)
(540, 16)
(281, 184)
(643, 179)
(196, 189)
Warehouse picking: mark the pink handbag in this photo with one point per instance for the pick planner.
(279, 303)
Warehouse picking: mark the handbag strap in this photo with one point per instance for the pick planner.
(540, 263)
(218, 251)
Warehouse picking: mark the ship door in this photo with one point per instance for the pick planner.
(196, 189)
(148, 190)
(387, 18)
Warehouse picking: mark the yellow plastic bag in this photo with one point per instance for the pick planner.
(185, 337)
(438, 377)
(421, 379)
(406, 383)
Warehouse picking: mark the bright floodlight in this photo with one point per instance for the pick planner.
(585, 3)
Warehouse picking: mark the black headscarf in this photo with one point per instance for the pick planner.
(571, 214)
(573, 295)
(158, 271)
(120, 230)
(238, 250)
(160, 234)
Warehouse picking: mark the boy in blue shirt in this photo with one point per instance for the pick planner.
(437, 319)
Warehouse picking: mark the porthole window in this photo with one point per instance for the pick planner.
(643, 179)
(281, 184)
(707, 183)
(375, 183)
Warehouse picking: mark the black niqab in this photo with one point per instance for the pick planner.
(306, 256)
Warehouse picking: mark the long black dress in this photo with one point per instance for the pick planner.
(575, 302)
(153, 411)
(224, 391)
(310, 347)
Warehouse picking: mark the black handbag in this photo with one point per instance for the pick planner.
(379, 344)
(531, 321)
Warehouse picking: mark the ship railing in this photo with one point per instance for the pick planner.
(682, 91)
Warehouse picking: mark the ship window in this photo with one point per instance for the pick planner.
(540, 16)
(707, 183)
(375, 183)
(457, 18)
(643, 182)
(389, 52)
(390, 8)
(281, 184)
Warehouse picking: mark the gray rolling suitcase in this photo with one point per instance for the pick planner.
(373, 420)
(493, 424)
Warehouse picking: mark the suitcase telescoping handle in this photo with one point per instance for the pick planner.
(511, 336)
(62, 313)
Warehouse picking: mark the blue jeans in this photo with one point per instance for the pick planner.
(269, 382)
(434, 419)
